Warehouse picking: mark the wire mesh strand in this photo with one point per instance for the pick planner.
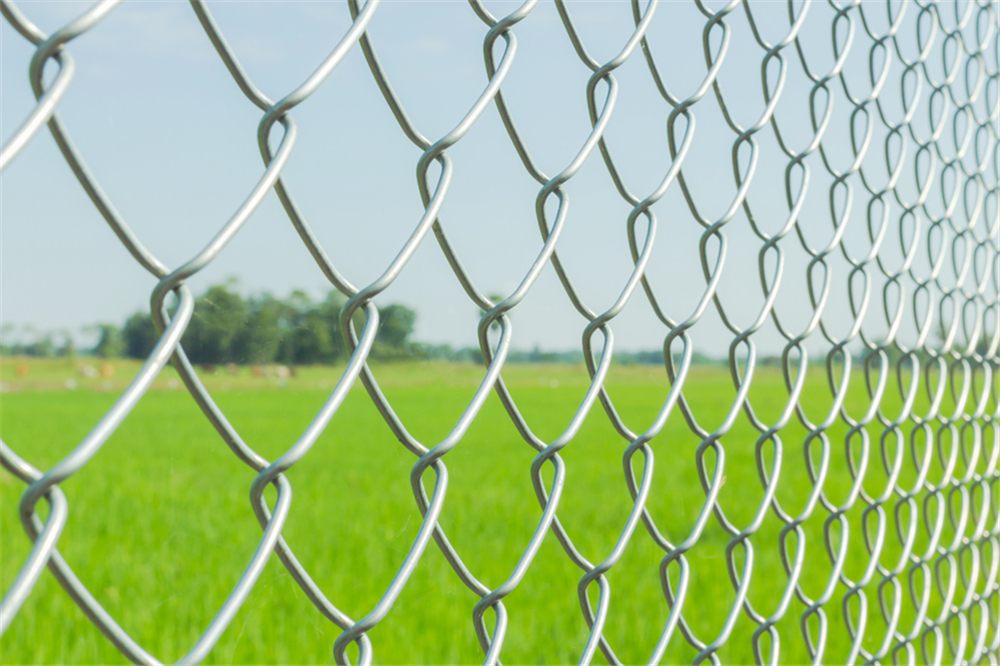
(951, 506)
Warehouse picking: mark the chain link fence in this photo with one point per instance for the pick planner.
(921, 181)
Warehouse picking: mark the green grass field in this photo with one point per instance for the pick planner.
(160, 525)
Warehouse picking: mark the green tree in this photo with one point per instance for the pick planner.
(68, 348)
(139, 335)
(310, 339)
(268, 324)
(220, 319)
(330, 311)
(396, 326)
(109, 341)
(43, 347)
(226, 328)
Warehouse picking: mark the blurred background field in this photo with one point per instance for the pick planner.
(160, 525)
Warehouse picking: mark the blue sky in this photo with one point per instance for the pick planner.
(172, 140)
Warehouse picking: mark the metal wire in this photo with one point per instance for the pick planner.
(957, 295)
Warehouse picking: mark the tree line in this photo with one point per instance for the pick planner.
(262, 329)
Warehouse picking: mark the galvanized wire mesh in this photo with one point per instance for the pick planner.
(931, 257)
